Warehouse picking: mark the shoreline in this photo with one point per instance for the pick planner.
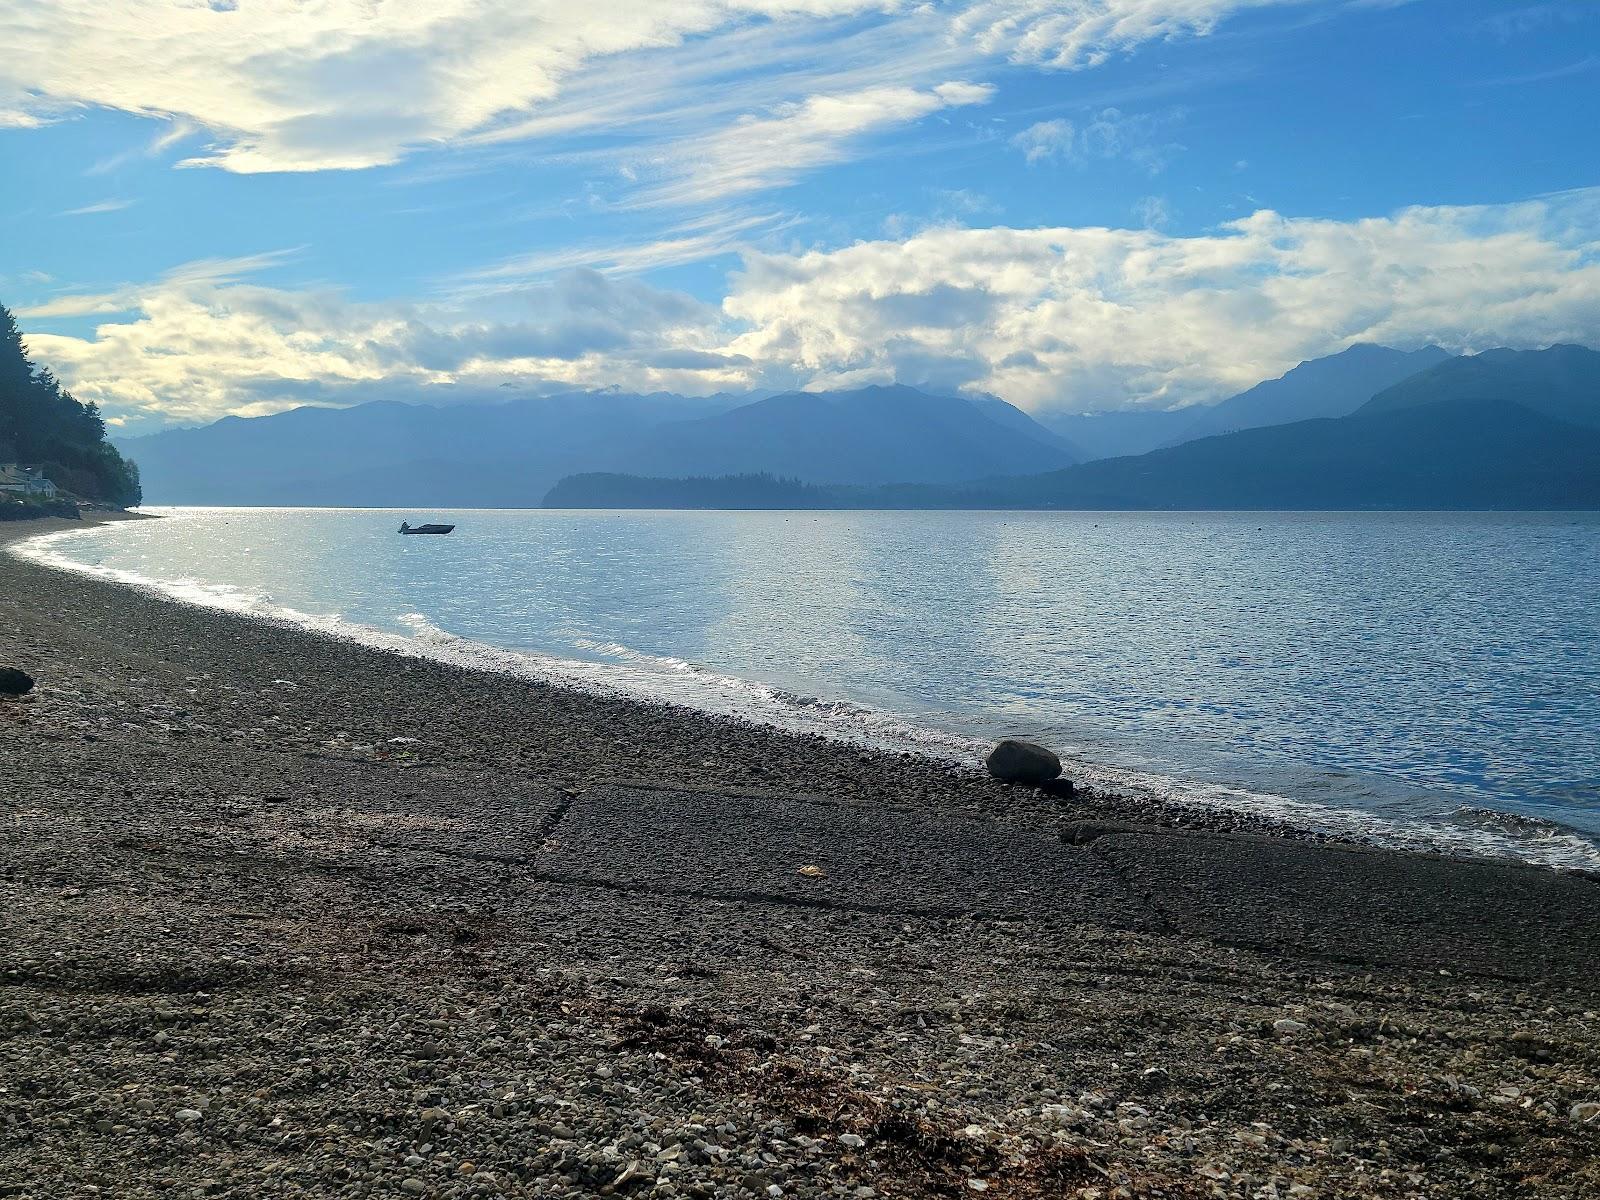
(558, 929)
(1127, 792)
(1103, 802)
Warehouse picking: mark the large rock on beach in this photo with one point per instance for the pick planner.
(14, 682)
(1016, 761)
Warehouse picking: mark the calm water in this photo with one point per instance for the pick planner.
(1425, 678)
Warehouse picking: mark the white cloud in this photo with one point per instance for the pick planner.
(285, 86)
(1044, 140)
(175, 132)
(1108, 134)
(1072, 34)
(100, 206)
(1089, 317)
(201, 344)
(1076, 318)
(716, 232)
(762, 152)
(1152, 212)
(126, 299)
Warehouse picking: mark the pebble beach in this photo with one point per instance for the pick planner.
(283, 915)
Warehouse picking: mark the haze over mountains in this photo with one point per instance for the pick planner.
(387, 453)
(1511, 429)
(510, 454)
(1369, 427)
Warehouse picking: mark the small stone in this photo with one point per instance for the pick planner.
(413, 1185)
(1288, 1028)
(14, 682)
(1063, 1114)
(854, 1141)
(1016, 761)
(188, 1115)
(467, 1168)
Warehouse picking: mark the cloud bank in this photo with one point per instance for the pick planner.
(1070, 318)
(1083, 318)
(201, 345)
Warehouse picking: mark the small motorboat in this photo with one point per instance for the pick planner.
(408, 528)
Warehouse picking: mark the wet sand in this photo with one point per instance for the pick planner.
(284, 915)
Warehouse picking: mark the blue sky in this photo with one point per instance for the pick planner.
(1072, 203)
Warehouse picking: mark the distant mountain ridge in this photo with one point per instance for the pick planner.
(385, 452)
(1334, 386)
(896, 437)
(1562, 383)
(508, 455)
(871, 435)
(1453, 454)
(1454, 437)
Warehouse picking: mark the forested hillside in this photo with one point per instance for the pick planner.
(45, 426)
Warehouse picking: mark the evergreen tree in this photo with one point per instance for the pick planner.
(42, 423)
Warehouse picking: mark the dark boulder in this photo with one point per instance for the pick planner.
(14, 682)
(1016, 761)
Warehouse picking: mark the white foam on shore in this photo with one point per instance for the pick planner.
(635, 675)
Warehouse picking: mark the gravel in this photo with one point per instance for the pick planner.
(252, 945)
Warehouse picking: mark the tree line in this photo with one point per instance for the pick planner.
(44, 425)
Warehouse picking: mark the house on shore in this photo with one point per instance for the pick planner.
(27, 483)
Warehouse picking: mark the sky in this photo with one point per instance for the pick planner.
(242, 206)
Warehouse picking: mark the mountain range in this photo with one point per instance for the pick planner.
(509, 455)
(1507, 430)
(1334, 386)
(1368, 427)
